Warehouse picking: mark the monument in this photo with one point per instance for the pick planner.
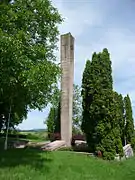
(67, 79)
(128, 151)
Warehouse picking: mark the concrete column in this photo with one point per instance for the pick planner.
(67, 80)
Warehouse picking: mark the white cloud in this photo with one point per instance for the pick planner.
(76, 19)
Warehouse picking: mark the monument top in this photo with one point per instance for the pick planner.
(67, 34)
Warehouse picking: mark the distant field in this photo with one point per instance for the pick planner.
(20, 164)
(35, 135)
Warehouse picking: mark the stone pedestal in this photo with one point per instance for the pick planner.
(67, 79)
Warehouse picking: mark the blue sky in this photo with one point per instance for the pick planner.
(97, 24)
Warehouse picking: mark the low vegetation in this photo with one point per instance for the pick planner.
(23, 138)
(35, 135)
(20, 164)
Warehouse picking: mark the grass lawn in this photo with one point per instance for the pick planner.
(26, 164)
(35, 135)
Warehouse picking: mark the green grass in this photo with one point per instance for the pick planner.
(35, 135)
(25, 164)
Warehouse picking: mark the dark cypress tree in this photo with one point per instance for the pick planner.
(5, 1)
(57, 119)
(99, 106)
(129, 122)
(50, 121)
(121, 119)
(106, 70)
(119, 123)
(87, 98)
(53, 121)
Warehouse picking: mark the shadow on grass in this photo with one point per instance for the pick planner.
(25, 157)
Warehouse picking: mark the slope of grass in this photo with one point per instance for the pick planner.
(24, 164)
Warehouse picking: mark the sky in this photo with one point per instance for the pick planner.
(98, 24)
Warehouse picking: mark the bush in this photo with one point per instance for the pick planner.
(66, 149)
(54, 136)
(108, 156)
(23, 136)
(133, 143)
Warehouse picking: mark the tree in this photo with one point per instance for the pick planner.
(129, 122)
(28, 71)
(121, 119)
(87, 98)
(99, 106)
(53, 119)
(5, 1)
(77, 110)
(50, 121)
(118, 119)
(57, 119)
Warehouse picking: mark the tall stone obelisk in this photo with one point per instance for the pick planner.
(67, 79)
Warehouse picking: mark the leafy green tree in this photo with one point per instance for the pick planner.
(77, 110)
(129, 122)
(28, 71)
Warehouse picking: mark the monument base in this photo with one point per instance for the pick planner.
(128, 152)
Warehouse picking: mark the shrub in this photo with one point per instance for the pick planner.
(108, 156)
(54, 136)
(66, 149)
(23, 136)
